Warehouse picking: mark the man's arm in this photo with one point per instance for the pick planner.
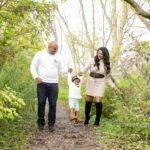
(33, 68)
(70, 76)
(63, 67)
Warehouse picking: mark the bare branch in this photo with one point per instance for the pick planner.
(93, 12)
(147, 24)
(84, 21)
(139, 10)
(106, 14)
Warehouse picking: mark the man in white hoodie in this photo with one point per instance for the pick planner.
(44, 69)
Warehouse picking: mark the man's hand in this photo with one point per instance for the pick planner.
(39, 80)
(70, 70)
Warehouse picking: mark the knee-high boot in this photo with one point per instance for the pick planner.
(98, 113)
(87, 112)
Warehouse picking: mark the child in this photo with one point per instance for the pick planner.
(74, 95)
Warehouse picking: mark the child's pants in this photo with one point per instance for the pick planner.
(74, 103)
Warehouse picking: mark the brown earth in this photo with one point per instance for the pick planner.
(67, 135)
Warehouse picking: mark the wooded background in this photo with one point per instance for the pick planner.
(25, 28)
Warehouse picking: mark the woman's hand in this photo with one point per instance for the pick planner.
(117, 91)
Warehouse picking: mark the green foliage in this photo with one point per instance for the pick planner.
(22, 23)
(10, 104)
(125, 121)
(128, 114)
(144, 46)
(17, 76)
(14, 135)
(24, 26)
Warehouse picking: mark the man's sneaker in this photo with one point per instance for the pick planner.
(51, 128)
(40, 127)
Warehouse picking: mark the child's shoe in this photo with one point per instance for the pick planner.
(72, 114)
(77, 117)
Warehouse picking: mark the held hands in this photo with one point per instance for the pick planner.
(80, 73)
(39, 80)
(70, 70)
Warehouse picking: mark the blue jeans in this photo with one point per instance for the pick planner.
(44, 91)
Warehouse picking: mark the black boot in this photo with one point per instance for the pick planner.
(98, 113)
(87, 112)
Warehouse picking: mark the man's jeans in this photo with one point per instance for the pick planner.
(44, 91)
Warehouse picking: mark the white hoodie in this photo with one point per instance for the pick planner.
(46, 66)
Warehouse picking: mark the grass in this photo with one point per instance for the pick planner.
(113, 135)
(14, 135)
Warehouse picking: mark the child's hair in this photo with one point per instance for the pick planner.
(75, 78)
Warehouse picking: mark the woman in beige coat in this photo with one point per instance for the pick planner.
(99, 73)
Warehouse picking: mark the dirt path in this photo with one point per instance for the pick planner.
(67, 136)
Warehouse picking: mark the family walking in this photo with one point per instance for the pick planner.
(45, 68)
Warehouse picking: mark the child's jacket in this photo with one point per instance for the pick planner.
(74, 90)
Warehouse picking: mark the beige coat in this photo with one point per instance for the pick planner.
(96, 86)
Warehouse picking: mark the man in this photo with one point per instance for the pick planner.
(44, 69)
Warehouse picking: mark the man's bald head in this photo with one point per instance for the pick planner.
(52, 47)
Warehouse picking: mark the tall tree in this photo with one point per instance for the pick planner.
(91, 43)
(116, 25)
(22, 24)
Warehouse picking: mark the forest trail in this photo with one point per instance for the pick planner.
(67, 136)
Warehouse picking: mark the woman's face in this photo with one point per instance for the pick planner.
(100, 55)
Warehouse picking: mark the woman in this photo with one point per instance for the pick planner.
(99, 73)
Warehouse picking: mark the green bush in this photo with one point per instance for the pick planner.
(10, 104)
(127, 117)
(18, 77)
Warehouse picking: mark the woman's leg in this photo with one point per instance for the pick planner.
(98, 104)
(88, 104)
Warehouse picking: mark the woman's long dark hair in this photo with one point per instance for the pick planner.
(106, 59)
